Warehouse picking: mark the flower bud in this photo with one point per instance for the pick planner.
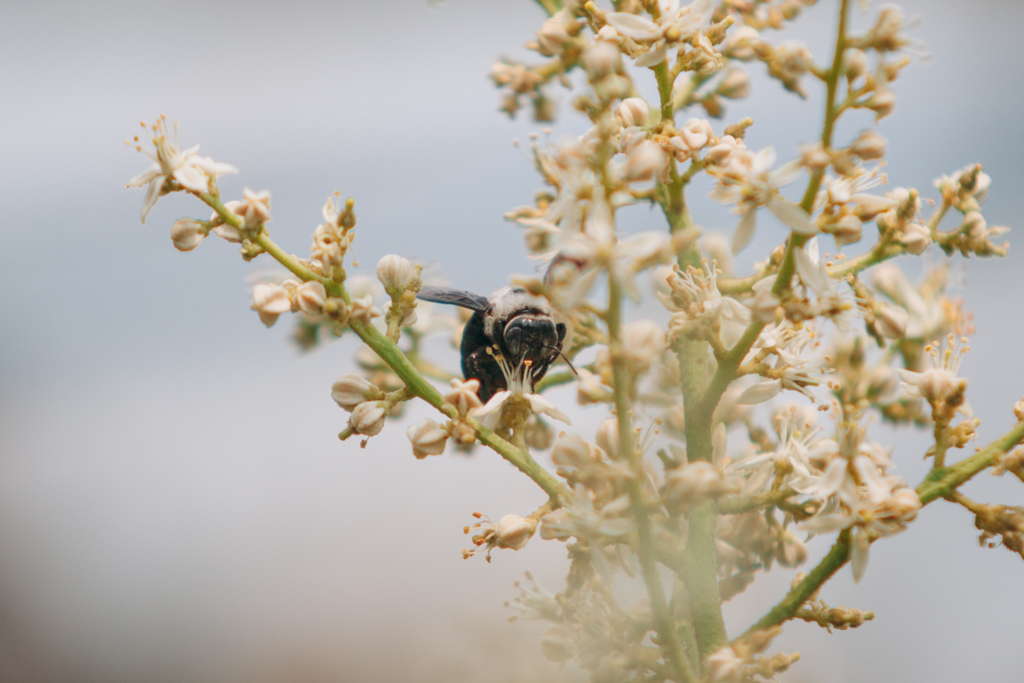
(734, 85)
(187, 234)
(869, 145)
(428, 438)
(891, 321)
(633, 111)
(270, 301)
(974, 224)
(642, 341)
(643, 161)
(368, 418)
(916, 238)
(882, 103)
(396, 273)
(608, 437)
(254, 208)
(696, 482)
(311, 298)
(791, 551)
(348, 391)
(556, 643)
(855, 63)
(513, 531)
(847, 230)
(464, 395)
(552, 37)
(741, 42)
(572, 451)
(599, 59)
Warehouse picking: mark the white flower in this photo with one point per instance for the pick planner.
(270, 301)
(940, 383)
(428, 438)
(749, 182)
(254, 208)
(513, 531)
(674, 24)
(490, 414)
(193, 173)
(311, 298)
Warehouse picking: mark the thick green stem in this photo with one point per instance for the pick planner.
(646, 550)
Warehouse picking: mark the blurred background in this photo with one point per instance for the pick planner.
(174, 503)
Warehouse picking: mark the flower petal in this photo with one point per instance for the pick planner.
(633, 26)
(744, 230)
(792, 216)
(490, 414)
(653, 57)
(539, 404)
(760, 392)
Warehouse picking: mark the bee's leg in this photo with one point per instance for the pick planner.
(481, 366)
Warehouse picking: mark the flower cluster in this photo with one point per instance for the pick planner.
(735, 422)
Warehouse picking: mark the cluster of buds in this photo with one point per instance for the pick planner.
(310, 299)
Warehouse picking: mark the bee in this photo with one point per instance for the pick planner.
(510, 340)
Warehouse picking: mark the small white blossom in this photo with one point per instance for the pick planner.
(674, 24)
(254, 208)
(513, 531)
(464, 395)
(192, 172)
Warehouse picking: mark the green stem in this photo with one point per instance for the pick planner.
(646, 550)
(940, 483)
(801, 593)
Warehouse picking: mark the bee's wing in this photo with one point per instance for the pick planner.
(457, 297)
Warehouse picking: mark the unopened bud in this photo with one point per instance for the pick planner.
(869, 145)
(891, 321)
(633, 111)
(187, 234)
(368, 418)
(396, 273)
(642, 341)
(882, 103)
(643, 161)
(916, 238)
(348, 391)
(734, 85)
(696, 482)
(428, 438)
(311, 298)
(855, 63)
(599, 59)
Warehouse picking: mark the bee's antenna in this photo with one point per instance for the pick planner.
(567, 361)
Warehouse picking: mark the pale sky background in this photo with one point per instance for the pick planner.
(174, 505)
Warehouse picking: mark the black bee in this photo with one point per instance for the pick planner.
(510, 340)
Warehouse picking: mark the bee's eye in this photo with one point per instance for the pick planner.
(514, 338)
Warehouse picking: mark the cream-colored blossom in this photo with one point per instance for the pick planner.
(173, 167)
(464, 395)
(396, 273)
(513, 531)
(749, 182)
(674, 24)
(270, 301)
(254, 208)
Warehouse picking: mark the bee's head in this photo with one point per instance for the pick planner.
(532, 338)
